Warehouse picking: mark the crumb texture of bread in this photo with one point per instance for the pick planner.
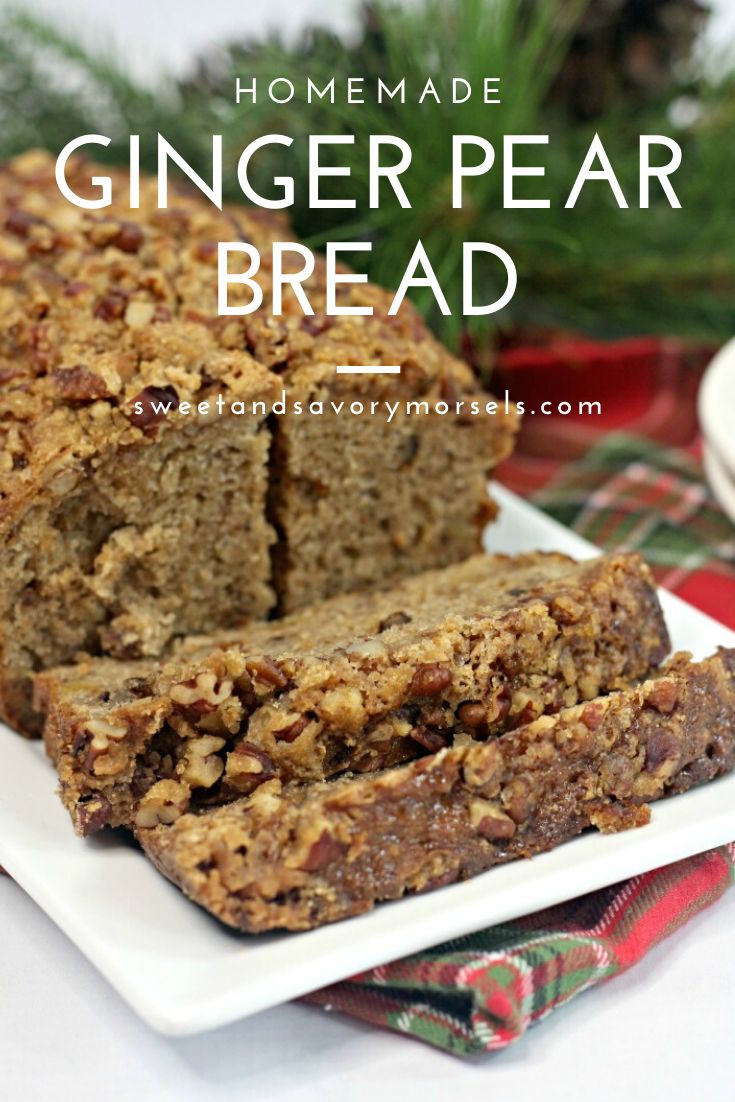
(123, 529)
(360, 682)
(295, 857)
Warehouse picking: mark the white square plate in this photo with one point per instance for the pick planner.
(183, 972)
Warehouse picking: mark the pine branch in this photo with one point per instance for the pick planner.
(595, 267)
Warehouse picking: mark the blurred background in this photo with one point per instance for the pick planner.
(170, 32)
(624, 307)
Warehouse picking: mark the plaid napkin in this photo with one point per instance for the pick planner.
(481, 992)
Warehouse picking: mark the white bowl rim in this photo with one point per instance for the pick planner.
(719, 429)
(720, 482)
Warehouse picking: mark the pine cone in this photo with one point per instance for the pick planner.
(626, 47)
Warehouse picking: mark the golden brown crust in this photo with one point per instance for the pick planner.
(360, 682)
(295, 857)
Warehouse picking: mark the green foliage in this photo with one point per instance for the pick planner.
(597, 267)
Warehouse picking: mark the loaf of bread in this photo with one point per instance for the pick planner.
(359, 682)
(123, 528)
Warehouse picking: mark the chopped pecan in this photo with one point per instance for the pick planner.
(662, 752)
(593, 714)
(489, 820)
(314, 324)
(663, 696)
(75, 287)
(111, 306)
(164, 802)
(430, 679)
(20, 222)
(430, 740)
(267, 670)
(248, 765)
(203, 767)
(93, 811)
(292, 732)
(498, 711)
(481, 764)
(138, 686)
(106, 729)
(155, 403)
(472, 714)
(449, 389)
(79, 384)
(205, 250)
(139, 314)
(394, 620)
(519, 808)
(528, 710)
(202, 693)
(566, 610)
(129, 237)
(325, 850)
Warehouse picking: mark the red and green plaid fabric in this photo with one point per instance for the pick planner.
(632, 495)
(481, 992)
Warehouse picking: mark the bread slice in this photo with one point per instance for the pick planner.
(297, 856)
(123, 527)
(359, 682)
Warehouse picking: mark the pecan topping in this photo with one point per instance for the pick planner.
(205, 250)
(662, 752)
(202, 693)
(105, 729)
(79, 384)
(314, 324)
(592, 715)
(267, 670)
(528, 712)
(165, 802)
(663, 696)
(129, 237)
(394, 620)
(19, 222)
(203, 767)
(430, 740)
(481, 764)
(111, 306)
(488, 820)
(92, 813)
(75, 287)
(248, 765)
(292, 732)
(472, 714)
(498, 712)
(138, 686)
(139, 314)
(449, 389)
(566, 610)
(151, 400)
(325, 850)
(430, 679)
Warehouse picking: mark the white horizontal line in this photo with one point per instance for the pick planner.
(369, 369)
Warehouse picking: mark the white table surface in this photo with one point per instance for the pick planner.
(663, 1030)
